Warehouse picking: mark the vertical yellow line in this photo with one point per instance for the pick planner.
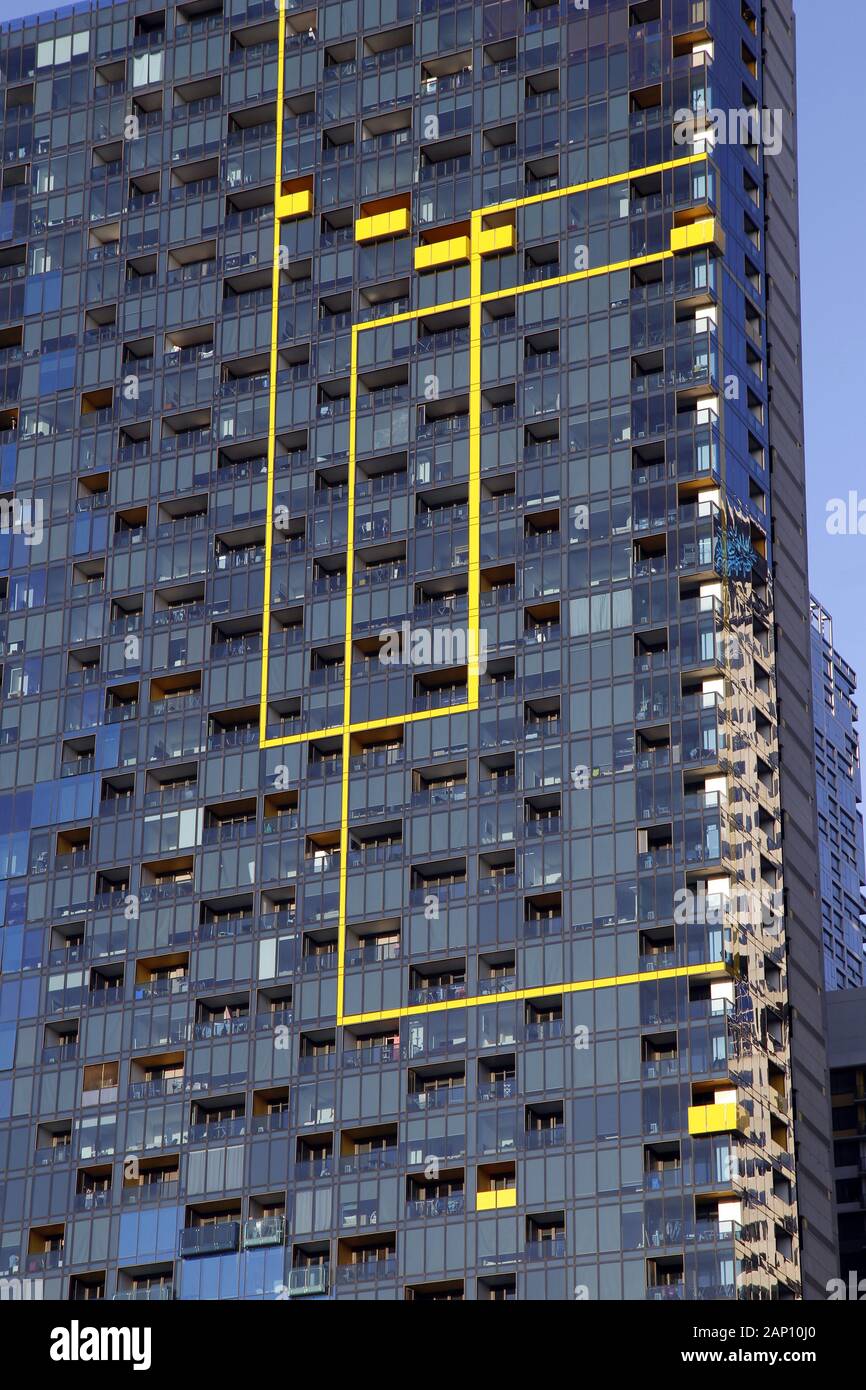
(474, 616)
(272, 384)
(347, 677)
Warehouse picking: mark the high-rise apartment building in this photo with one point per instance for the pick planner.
(840, 824)
(410, 885)
(846, 1046)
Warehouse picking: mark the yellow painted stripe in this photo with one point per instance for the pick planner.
(364, 726)
(347, 678)
(346, 729)
(405, 317)
(473, 624)
(606, 182)
(272, 385)
(645, 977)
(537, 286)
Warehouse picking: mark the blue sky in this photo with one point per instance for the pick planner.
(832, 216)
(832, 220)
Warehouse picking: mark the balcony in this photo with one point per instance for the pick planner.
(723, 1118)
(437, 994)
(157, 1293)
(666, 1293)
(434, 254)
(705, 232)
(155, 1088)
(208, 1130)
(295, 205)
(538, 1032)
(380, 225)
(59, 1052)
(544, 1138)
(47, 1157)
(314, 1280)
(438, 1099)
(210, 1240)
(496, 1200)
(220, 1028)
(553, 1249)
(264, 1230)
(373, 1161)
(384, 1267)
(374, 1055)
(497, 240)
(436, 1206)
(160, 989)
(95, 1200)
(44, 1261)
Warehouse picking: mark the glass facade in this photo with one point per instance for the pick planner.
(840, 824)
(392, 889)
(846, 1030)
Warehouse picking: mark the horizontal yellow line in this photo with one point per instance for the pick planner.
(606, 182)
(537, 286)
(408, 314)
(367, 726)
(371, 724)
(539, 992)
(534, 288)
(391, 721)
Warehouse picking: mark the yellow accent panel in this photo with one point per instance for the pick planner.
(382, 224)
(298, 204)
(436, 253)
(490, 1201)
(706, 232)
(714, 1119)
(497, 239)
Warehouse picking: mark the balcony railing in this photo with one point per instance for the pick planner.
(383, 1267)
(313, 1280)
(264, 1230)
(157, 1293)
(210, 1240)
(436, 1206)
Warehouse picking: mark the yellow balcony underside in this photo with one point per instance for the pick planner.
(382, 224)
(705, 232)
(497, 239)
(715, 1119)
(493, 1201)
(295, 205)
(435, 253)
